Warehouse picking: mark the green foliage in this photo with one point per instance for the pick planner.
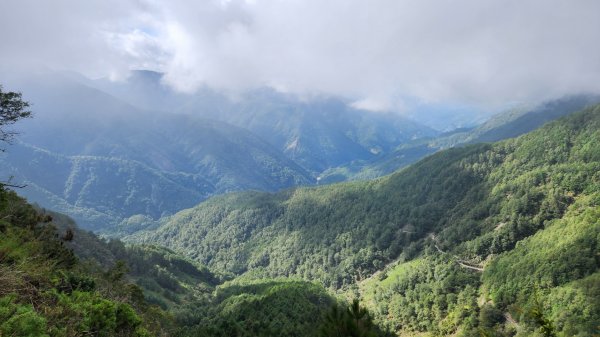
(574, 307)
(97, 315)
(20, 320)
(262, 308)
(353, 321)
(429, 294)
(546, 326)
(167, 278)
(523, 210)
(46, 291)
(12, 109)
(490, 316)
(565, 250)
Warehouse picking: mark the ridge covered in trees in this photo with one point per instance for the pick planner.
(478, 206)
(486, 240)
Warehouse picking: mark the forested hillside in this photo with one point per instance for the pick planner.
(46, 291)
(467, 238)
(490, 239)
(58, 280)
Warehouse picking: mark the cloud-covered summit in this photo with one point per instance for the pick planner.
(382, 53)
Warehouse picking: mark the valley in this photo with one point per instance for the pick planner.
(180, 156)
(182, 149)
(469, 240)
(373, 240)
(252, 168)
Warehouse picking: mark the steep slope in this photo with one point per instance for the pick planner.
(464, 209)
(166, 278)
(501, 126)
(58, 280)
(46, 291)
(551, 276)
(99, 192)
(323, 133)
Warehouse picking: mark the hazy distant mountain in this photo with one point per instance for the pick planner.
(316, 134)
(446, 117)
(101, 191)
(501, 126)
(325, 133)
(95, 152)
(74, 119)
(517, 122)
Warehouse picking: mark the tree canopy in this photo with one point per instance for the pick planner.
(12, 109)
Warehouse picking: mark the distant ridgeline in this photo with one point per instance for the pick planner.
(116, 155)
(494, 239)
(504, 125)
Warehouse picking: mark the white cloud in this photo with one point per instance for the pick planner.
(482, 53)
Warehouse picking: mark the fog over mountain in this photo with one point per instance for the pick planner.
(300, 168)
(402, 56)
(103, 151)
(235, 95)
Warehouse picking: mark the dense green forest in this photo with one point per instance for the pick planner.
(484, 240)
(470, 236)
(58, 280)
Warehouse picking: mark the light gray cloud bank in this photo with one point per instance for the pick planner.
(380, 53)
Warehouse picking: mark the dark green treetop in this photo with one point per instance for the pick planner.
(12, 109)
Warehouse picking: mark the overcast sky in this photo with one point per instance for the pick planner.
(379, 53)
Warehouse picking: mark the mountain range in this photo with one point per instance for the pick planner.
(172, 150)
(316, 132)
(468, 239)
(493, 239)
(84, 132)
(503, 125)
